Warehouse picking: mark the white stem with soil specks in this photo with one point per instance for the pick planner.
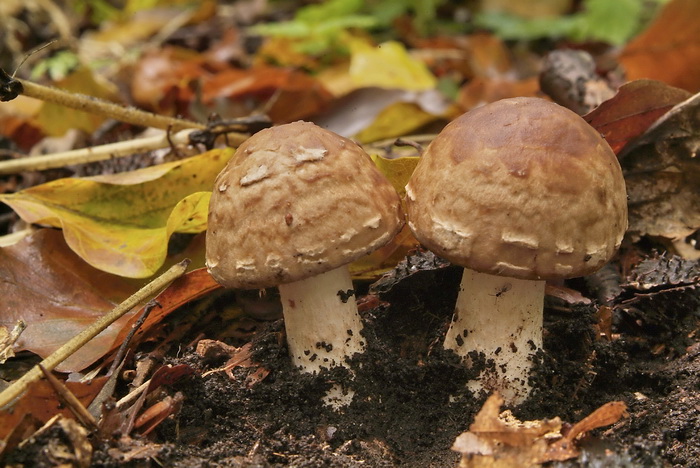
(322, 323)
(502, 318)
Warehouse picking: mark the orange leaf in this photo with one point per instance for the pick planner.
(669, 49)
(290, 95)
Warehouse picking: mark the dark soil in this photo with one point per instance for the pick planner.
(411, 402)
(401, 414)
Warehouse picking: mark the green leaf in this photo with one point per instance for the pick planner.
(121, 223)
(613, 22)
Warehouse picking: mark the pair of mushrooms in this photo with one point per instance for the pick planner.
(517, 192)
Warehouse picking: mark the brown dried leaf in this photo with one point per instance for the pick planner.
(669, 49)
(564, 294)
(188, 287)
(158, 412)
(499, 440)
(662, 173)
(41, 402)
(608, 414)
(57, 295)
(286, 95)
(238, 357)
(635, 107)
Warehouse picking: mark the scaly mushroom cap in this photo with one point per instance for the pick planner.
(296, 201)
(522, 188)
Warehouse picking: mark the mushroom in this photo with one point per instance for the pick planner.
(517, 192)
(294, 206)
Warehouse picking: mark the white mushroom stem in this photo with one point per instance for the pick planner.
(501, 317)
(321, 320)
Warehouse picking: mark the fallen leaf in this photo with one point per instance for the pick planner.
(497, 439)
(358, 111)
(158, 412)
(188, 287)
(635, 107)
(285, 95)
(8, 338)
(121, 223)
(17, 121)
(608, 414)
(388, 65)
(669, 49)
(398, 119)
(662, 174)
(138, 21)
(161, 77)
(57, 295)
(41, 402)
(372, 266)
(397, 170)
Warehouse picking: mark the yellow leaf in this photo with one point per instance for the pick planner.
(397, 170)
(400, 118)
(56, 119)
(388, 65)
(385, 258)
(372, 266)
(121, 223)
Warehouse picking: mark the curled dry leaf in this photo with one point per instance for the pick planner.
(237, 357)
(158, 412)
(8, 339)
(662, 174)
(635, 107)
(497, 439)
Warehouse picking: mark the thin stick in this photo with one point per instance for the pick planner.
(108, 109)
(61, 354)
(70, 400)
(152, 304)
(95, 153)
(133, 395)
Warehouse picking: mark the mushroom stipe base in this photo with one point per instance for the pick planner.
(321, 320)
(500, 317)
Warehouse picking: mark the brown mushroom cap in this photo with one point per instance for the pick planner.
(522, 188)
(296, 201)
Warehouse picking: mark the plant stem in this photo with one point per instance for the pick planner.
(108, 109)
(20, 385)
